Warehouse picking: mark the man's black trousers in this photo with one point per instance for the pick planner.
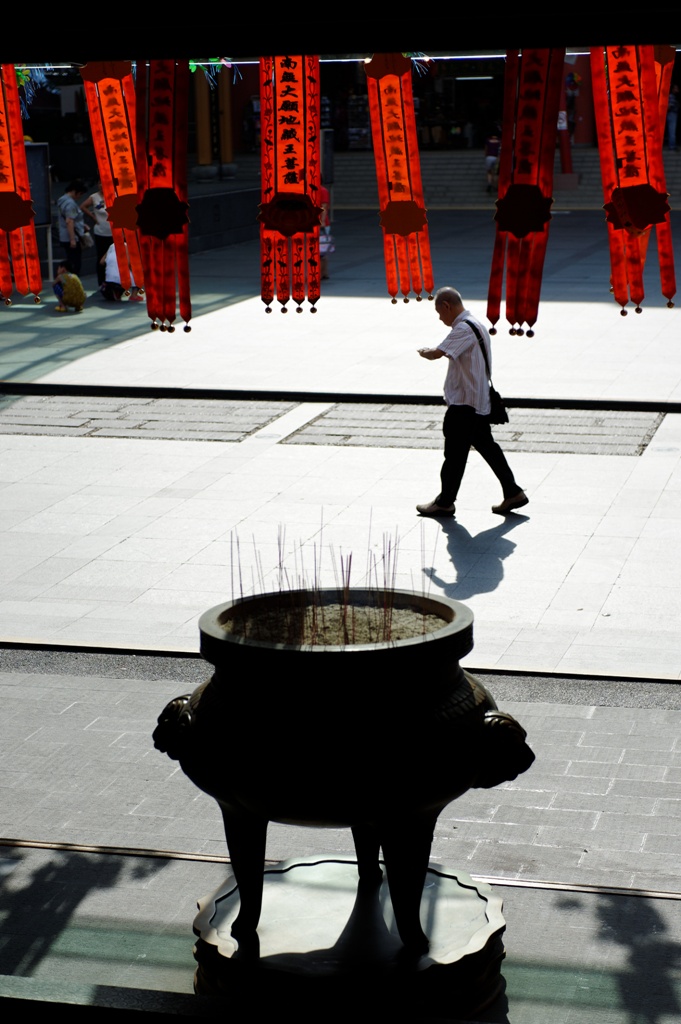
(462, 428)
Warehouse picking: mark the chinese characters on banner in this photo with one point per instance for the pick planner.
(110, 94)
(290, 177)
(630, 129)
(406, 244)
(532, 87)
(17, 230)
(162, 128)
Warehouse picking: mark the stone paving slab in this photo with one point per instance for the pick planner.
(365, 425)
(529, 430)
(176, 419)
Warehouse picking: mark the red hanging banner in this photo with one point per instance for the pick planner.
(627, 102)
(162, 127)
(532, 91)
(110, 94)
(406, 243)
(290, 178)
(18, 247)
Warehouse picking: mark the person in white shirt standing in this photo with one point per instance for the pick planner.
(466, 421)
(95, 208)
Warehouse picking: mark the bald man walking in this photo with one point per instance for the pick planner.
(466, 421)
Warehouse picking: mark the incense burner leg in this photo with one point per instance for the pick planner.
(246, 837)
(406, 852)
(368, 850)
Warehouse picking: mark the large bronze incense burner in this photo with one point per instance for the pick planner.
(377, 736)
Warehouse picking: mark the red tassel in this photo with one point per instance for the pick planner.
(414, 260)
(403, 265)
(390, 259)
(496, 279)
(512, 265)
(665, 255)
(634, 267)
(313, 266)
(533, 284)
(5, 271)
(267, 251)
(16, 245)
(618, 279)
(281, 247)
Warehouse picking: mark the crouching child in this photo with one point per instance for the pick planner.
(68, 289)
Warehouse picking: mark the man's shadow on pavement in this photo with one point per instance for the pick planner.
(478, 560)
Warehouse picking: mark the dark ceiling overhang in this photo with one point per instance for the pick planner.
(137, 35)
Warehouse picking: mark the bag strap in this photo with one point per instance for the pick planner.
(482, 347)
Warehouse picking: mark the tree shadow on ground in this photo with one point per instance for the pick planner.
(37, 903)
(648, 982)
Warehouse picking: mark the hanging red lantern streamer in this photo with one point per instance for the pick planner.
(532, 90)
(162, 127)
(630, 128)
(664, 66)
(110, 94)
(290, 176)
(406, 244)
(17, 228)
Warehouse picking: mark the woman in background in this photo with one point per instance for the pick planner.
(95, 208)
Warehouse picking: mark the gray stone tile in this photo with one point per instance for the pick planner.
(649, 866)
(529, 861)
(542, 818)
(563, 783)
(640, 756)
(596, 769)
(531, 799)
(468, 808)
(636, 788)
(668, 807)
(503, 833)
(607, 801)
(605, 754)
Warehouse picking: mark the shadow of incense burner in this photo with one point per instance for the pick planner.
(377, 736)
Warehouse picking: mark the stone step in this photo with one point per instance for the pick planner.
(455, 179)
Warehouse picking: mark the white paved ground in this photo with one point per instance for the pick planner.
(124, 542)
(367, 345)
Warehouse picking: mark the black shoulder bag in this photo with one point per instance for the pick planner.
(498, 412)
